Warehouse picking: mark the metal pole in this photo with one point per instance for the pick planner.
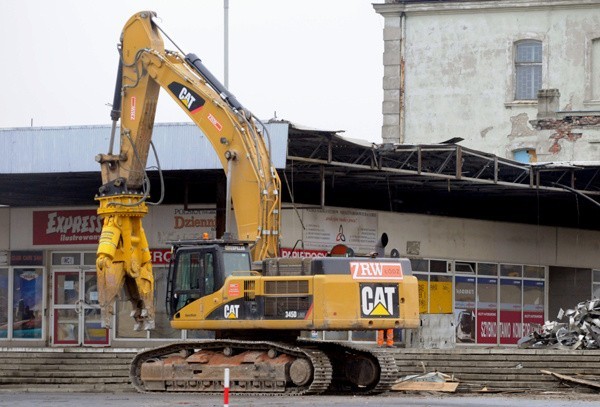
(226, 42)
(226, 388)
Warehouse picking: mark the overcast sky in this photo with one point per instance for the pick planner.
(313, 62)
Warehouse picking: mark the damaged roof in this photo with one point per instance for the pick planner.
(323, 167)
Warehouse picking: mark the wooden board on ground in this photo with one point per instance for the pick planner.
(425, 386)
(562, 377)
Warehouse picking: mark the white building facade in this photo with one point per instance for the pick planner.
(474, 70)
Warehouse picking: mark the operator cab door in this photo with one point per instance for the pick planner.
(194, 274)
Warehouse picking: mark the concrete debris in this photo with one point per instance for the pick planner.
(581, 330)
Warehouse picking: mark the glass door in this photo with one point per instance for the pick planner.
(75, 309)
(93, 332)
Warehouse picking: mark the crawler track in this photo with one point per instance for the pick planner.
(321, 369)
(335, 367)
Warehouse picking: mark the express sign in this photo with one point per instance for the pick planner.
(66, 227)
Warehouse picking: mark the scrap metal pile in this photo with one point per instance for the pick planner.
(581, 331)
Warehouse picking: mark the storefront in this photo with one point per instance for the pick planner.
(48, 294)
(492, 303)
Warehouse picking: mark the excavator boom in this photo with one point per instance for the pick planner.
(235, 134)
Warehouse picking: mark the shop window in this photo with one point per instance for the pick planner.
(487, 269)
(533, 306)
(440, 294)
(510, 310)
(419, 265)
(464, 309)
(464, 267)
(487, 310)
(511, 270)
(4, 303)
(534, 272)
(28, 286)
(438, 266)
(89, 259)
(163, 328)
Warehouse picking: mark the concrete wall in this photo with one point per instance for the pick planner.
(4, 228)
(413, 235)
(466, 239)
(458, 67)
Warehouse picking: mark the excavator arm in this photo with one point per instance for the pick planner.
(123, 257)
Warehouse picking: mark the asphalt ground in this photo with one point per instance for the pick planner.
(554, 399)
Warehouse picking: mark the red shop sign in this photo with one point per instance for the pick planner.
(66, 227)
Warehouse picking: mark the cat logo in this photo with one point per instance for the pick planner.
(232, 311)
(379, 300)
(191, 100)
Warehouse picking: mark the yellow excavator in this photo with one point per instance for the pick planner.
(256, 303)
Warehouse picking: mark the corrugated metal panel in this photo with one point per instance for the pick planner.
(180, 146)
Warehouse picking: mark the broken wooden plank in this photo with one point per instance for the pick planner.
(562, 377)
(425, 386)
(497, 390)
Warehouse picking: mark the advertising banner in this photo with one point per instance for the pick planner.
(487, 326)
(287, 252)
(173, 223)
(464, 309)
(161, 256)
(440, 295)
(27, 258)
(66, 227)
(27, 303)
(325, 228)
(511, 328)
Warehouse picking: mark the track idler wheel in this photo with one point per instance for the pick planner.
(361, 370)
(300, 372)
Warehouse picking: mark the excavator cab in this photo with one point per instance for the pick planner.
(199, 268)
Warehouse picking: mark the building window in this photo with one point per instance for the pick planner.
(528, 69)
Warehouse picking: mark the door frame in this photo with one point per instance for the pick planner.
(80, 307)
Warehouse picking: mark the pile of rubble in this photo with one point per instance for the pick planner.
(581, 331)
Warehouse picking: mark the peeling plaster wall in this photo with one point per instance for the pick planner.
(459, 73)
